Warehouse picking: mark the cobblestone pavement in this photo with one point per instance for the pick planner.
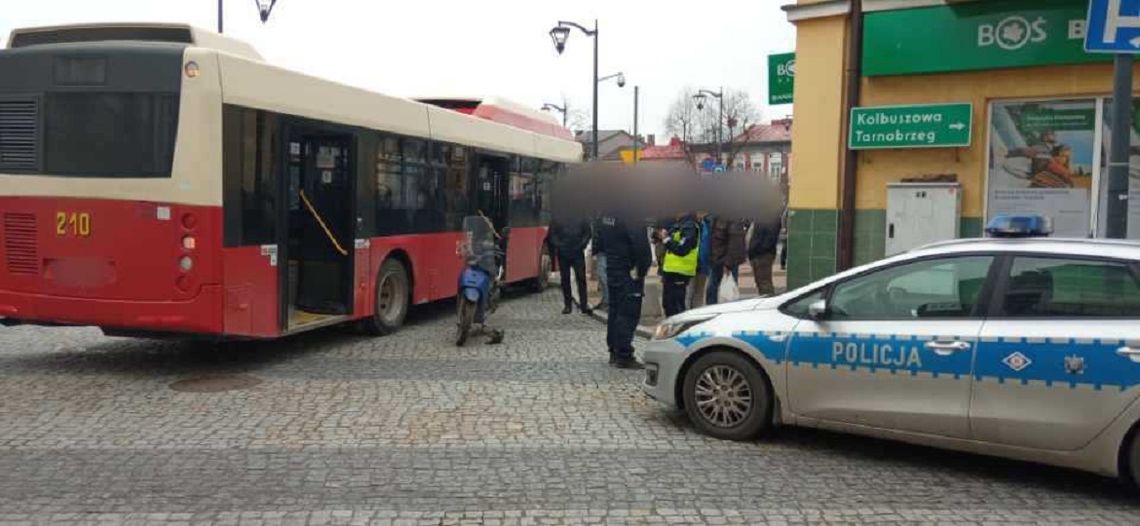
(407, 429)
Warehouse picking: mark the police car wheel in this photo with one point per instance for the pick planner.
(1132, 461)
(726, 396)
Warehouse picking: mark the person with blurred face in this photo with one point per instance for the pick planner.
(681, 244)
(728, 250)
(696, 292)
(762, 253)
(627, 264)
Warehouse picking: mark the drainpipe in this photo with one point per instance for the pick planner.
(845, 249)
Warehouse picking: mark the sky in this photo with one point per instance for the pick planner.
(418, 48)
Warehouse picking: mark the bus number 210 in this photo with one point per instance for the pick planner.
(77, 224)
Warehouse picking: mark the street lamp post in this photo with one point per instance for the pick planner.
(559, 34)
(564, 109)
(264, 7)
(636, 139)
(700, 96)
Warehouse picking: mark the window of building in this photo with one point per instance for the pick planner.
(1057, 287)
(1042, 161)
(775, 165)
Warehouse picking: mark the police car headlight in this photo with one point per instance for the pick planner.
(670, 328)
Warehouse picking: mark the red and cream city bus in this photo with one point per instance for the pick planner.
(163, 180)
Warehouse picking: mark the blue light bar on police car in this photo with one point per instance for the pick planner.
(1019, 226)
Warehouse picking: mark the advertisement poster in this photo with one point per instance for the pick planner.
(1041, 162)
(1133, 172)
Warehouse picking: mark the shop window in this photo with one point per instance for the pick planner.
(1041, 161)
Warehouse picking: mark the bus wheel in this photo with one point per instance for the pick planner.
(545, 266)
(393, 296)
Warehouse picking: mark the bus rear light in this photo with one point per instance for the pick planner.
(183, 283)
(186, 263)
(191, 69)
(189, 221)
(189, 243)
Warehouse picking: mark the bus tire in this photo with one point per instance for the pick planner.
(545, 267)
(393, 298)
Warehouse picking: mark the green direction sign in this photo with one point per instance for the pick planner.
(781, 78)
(916, 126)
(976, 36)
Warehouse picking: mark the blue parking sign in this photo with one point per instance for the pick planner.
(1113, 26)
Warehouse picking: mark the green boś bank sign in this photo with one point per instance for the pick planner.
(781, 78)
(976, 35)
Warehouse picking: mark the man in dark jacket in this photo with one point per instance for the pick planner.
(681, 261)
(729, 251)
(761, 253)
(627, 263)
(569, 238)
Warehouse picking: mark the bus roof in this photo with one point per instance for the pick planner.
(144, 31)
(250, 81)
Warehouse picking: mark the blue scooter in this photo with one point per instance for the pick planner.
(479, 281)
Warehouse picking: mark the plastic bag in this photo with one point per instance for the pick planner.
(728, 290)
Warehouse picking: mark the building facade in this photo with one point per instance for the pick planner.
(1036, 129)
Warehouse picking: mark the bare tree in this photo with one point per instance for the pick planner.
(740, 113)
(699, 126)
(684, 121)
(578, 119)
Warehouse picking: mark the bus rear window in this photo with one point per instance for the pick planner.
(123, 135)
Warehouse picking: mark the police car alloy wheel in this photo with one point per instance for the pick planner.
(726, 396)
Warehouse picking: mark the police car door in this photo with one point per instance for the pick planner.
(893, 348)
(1058, 355)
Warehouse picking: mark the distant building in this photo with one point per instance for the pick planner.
(765, 149)
(610, 143)
(672, 153)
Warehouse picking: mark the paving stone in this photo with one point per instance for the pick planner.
(409, 429)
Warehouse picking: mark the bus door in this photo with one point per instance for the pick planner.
(321, 228)
(491, 193)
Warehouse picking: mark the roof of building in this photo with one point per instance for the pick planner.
(675, 150)
(775, 131)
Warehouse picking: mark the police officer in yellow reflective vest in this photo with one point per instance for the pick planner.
(680, 265)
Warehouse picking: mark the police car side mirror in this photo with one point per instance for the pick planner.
(817, 310)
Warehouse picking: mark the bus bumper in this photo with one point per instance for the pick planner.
(201, 314)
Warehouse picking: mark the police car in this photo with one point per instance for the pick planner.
(1021, 348)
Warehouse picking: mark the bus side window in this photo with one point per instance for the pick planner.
(456, 186)
(249, 139)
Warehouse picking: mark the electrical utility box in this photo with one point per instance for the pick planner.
(921, 213)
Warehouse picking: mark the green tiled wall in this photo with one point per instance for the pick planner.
(870, 235)
(811, 244)
(812, 236)
(970, 227)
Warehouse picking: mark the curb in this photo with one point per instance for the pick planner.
(643, 331)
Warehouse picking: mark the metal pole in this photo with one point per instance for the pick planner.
(636, 141)
(1119, 147)
(220, 16)
(565, 111)
(719, 124)
(845, 244)
(595, 145)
